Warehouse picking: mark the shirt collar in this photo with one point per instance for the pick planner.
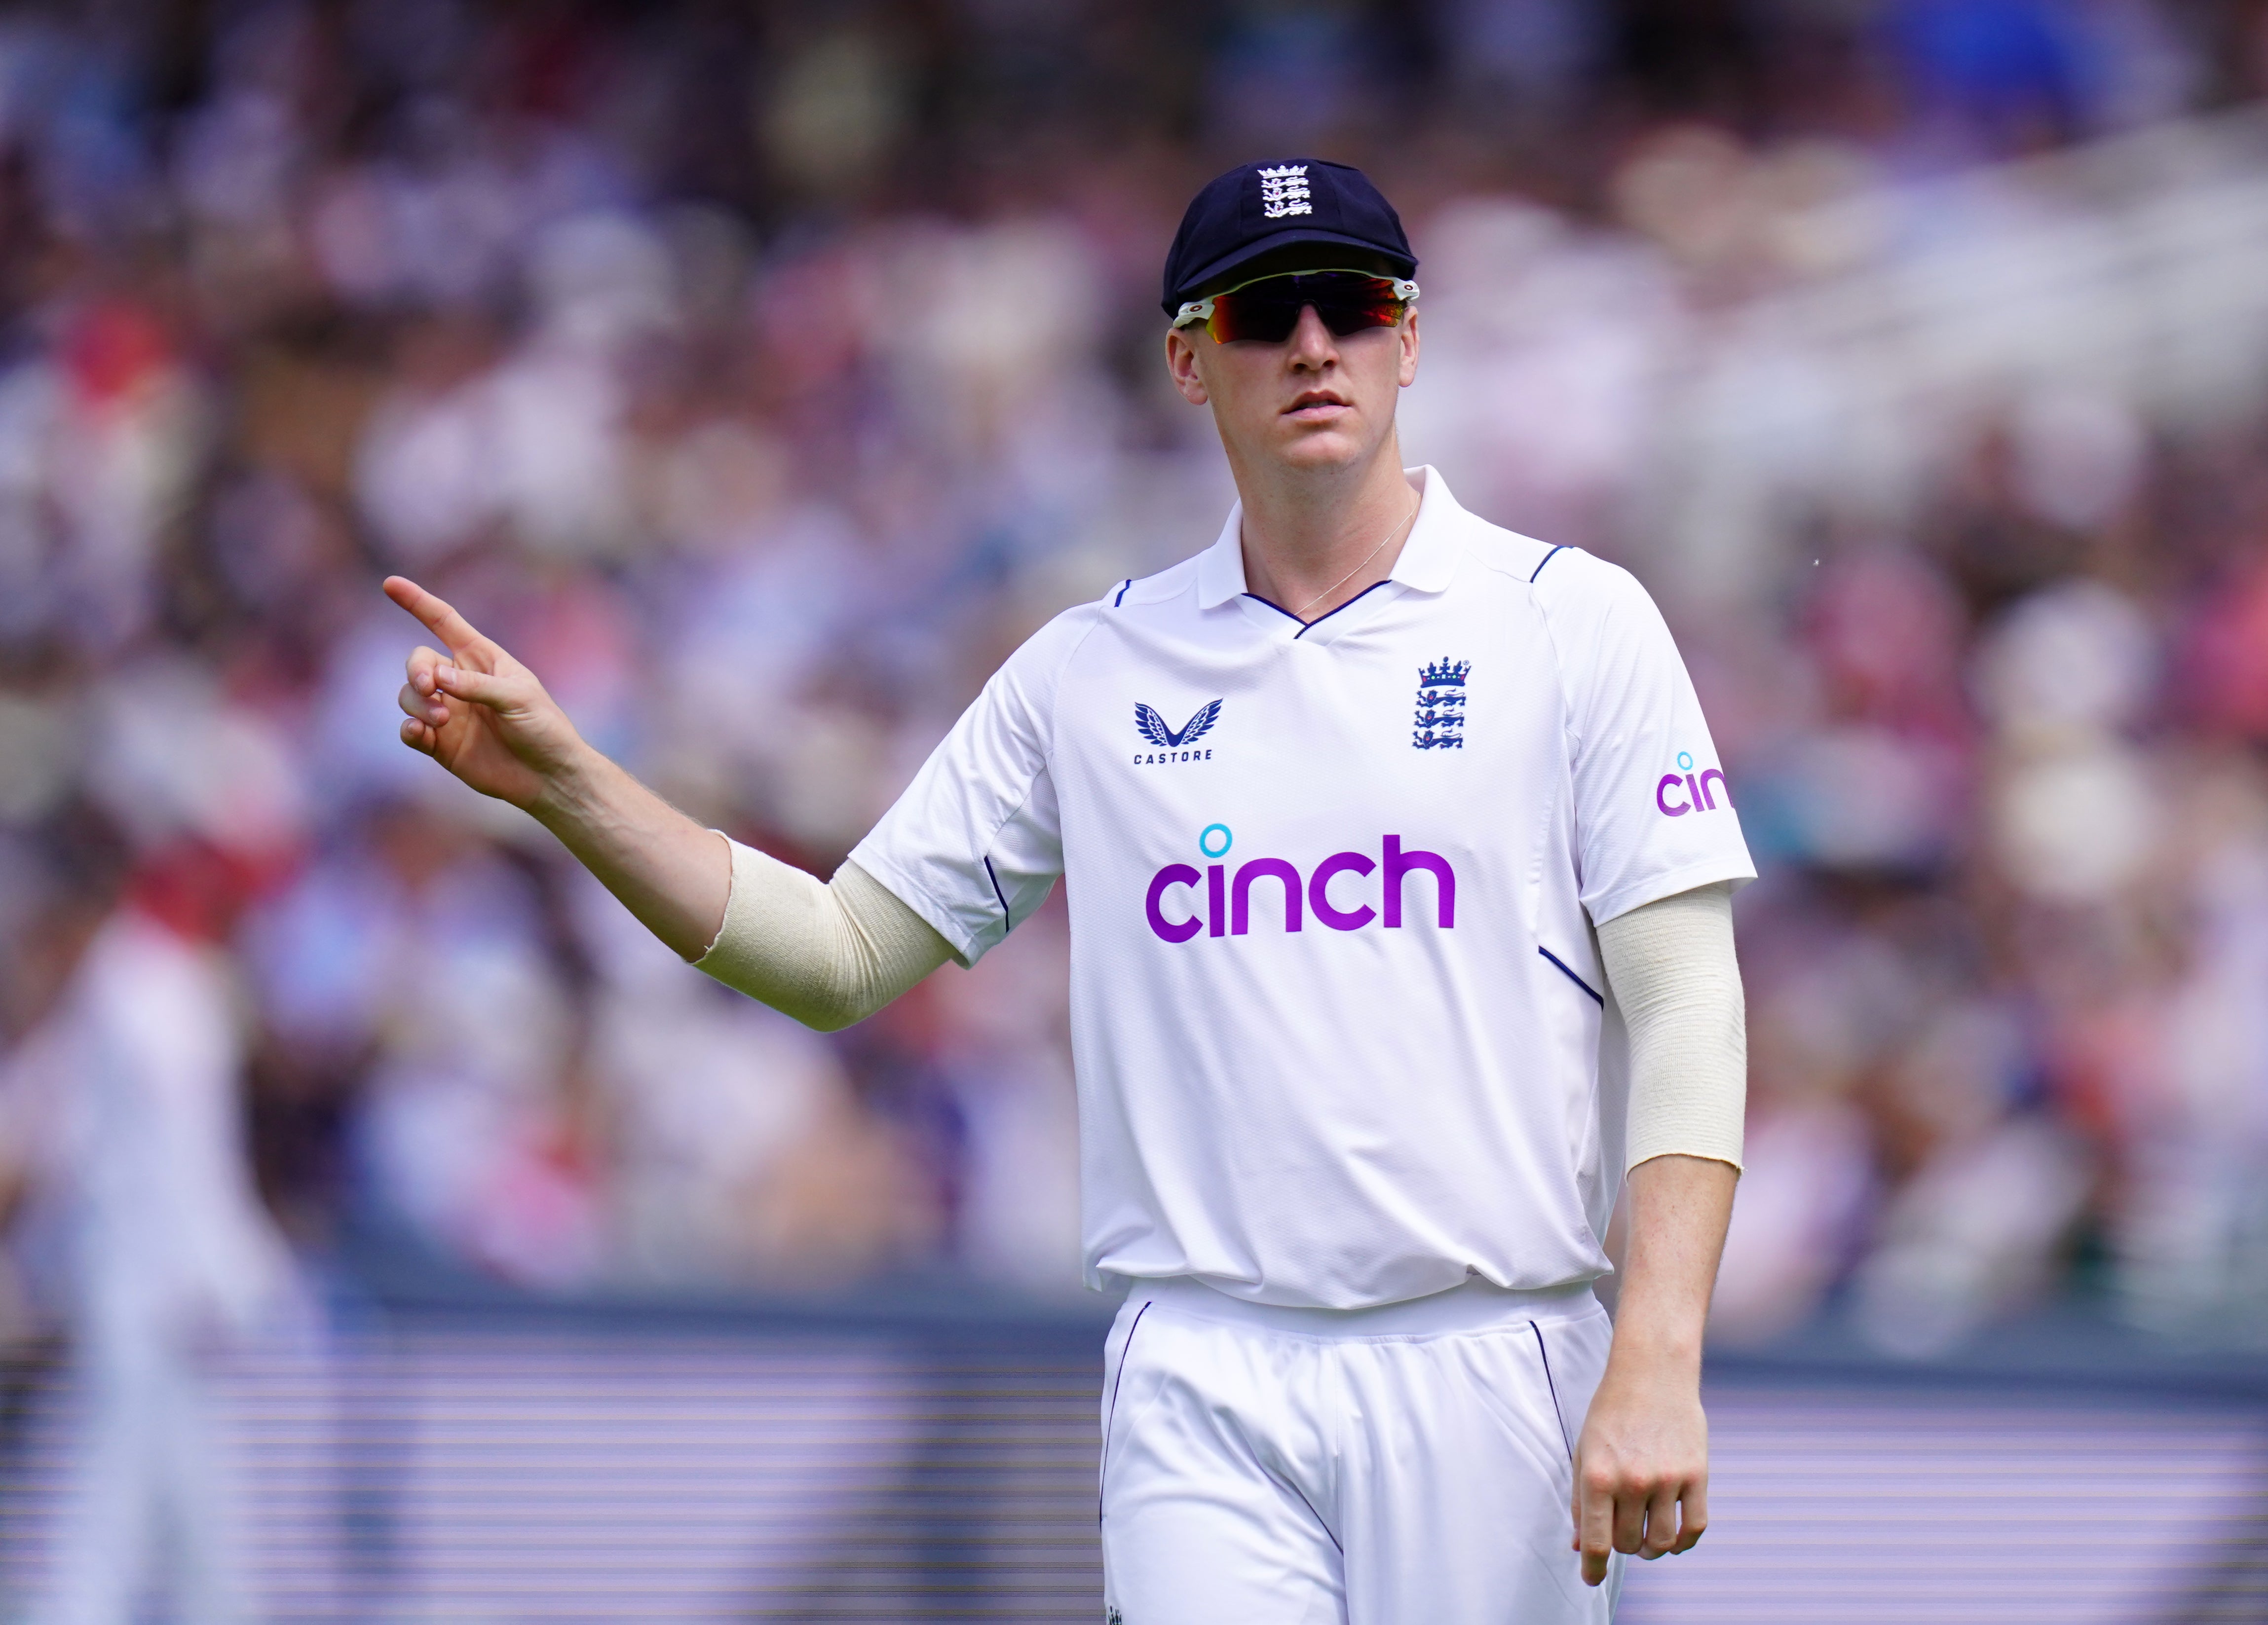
(1427, 559)
(1429, 556)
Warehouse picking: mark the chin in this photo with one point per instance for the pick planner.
(1326, 449)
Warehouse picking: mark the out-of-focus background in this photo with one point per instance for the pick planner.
(393, 1231)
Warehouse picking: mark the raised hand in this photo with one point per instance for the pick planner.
(479, 712)
(482, 715)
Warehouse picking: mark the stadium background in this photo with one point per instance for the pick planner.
(761, 375)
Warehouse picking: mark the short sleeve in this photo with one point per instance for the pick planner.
(1654, 812)
(975, 843)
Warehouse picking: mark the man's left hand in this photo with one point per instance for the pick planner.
(1642, 1463)
(1641, 1466)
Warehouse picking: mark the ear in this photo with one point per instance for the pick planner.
(1182, 362)
(1410, 348)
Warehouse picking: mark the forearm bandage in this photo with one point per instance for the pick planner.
(1671, 967)
(828, 953)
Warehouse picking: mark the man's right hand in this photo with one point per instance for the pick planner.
(479, 712)
(482, 715)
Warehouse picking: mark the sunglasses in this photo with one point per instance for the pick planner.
(1266, 308)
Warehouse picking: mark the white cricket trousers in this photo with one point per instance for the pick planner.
(1407, 1465)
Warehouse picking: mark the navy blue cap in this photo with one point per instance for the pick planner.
(1257, 208)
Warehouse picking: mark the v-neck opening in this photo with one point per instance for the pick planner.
(1306, 627)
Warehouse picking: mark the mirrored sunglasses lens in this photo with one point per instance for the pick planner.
(1345, 316)
(1253, 316)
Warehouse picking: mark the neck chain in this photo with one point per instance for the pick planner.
(1300, 613)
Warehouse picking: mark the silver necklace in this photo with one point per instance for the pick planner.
(1300, 613)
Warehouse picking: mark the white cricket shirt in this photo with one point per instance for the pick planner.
(1335, 1001)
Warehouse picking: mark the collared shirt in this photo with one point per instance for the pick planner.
(1340, 1028)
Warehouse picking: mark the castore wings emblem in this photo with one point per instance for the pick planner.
(1154, 728)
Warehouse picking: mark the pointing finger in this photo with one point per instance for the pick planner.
(439, 618)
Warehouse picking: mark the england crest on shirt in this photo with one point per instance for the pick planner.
(1441, 705)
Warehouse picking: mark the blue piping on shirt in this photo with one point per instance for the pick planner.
(1569, 975)
(1306, 627)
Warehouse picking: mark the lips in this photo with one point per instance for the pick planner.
(1316, 398)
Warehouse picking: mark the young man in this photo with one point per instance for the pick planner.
(1399, 866)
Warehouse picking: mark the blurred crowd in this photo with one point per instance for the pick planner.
(761, 375)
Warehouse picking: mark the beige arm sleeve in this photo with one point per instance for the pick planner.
(1671, 966)
(827, 953)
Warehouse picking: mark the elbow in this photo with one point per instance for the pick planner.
(831, 1009)
(822, 1010)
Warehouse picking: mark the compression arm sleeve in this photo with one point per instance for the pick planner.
(828, 953)
(1677, 984)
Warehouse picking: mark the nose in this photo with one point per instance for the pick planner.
(1312, 344)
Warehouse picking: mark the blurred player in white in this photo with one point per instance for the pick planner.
(1399, 866)
(171, 1259)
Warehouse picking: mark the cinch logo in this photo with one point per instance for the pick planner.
(1697, 796)
(1228, 904)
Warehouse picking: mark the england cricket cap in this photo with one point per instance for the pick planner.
(1258, 208)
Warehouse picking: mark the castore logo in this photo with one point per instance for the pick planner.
(1169, 742)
